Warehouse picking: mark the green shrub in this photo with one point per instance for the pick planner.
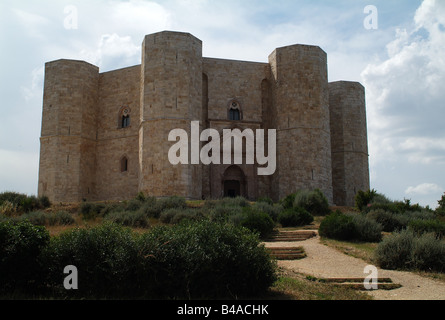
(313, 201)
(133, 205)
(265, 200)
(288, 201)
(405, 250)
(38, 218)
(222, 213)
(337, 226)
(273, 210)
(366, 229)
(23, 203)
(8, 208)
(129, 219)
(440, 210)
(205, 260)
(429, 253)
(294, 217)
(394, 207)
(257, 221)
(106, 258)
(435, 226)
(153, 207)
(391, 221)
(91, 211)
(21, 244)
(44, 202)
(177, 215)
(363, 198)
(394, 252)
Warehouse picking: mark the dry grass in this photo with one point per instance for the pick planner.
(295, 286)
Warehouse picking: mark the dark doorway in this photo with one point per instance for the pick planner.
(232, 188)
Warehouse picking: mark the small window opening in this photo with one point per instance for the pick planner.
(125, 121)
(234, 111)
(124, 164)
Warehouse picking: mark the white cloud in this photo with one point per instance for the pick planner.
(424, 189)
(405, 92)
(113, 51)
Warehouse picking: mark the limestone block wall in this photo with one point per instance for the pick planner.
(118, 90)
(301, 107)
(171, 85)
(67, 166)
(349, 140)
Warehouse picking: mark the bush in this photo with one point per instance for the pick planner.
(265, 200)
(175, 215)
(394, 252)
(272, 210)
(429, 253)
(313, 201)
(288, 201)
(396, 221)
(337, 226)
(153, 207)
(436, 227)
(405, 251)
(106, 258)
(389, 221)
(22, 203)
(366, 229)
(257, 221)
(394, 207)
(363, 198)
(294, 217)
(222, 213)
(21, 245)
(129, 219)
(91, 211)
(205, 260)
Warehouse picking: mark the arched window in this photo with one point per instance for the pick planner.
(234, 111)
(124, 117)
(124, 164)
(125, 121)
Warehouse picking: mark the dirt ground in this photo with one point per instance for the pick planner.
(325, 262)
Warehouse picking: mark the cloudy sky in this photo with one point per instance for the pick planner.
(396, 51)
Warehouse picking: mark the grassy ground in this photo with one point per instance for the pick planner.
(294, 286)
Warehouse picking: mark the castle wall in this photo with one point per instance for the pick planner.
(117, 90)
(301, 103)
(67, 153)
(228, 81)
(349, 141)
(321, 127)
(170, 99)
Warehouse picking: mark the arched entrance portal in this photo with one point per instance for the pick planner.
(234, 182)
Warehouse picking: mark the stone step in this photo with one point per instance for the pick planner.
(358, 283)
(289, 236)
(287, 253)
(356, 280)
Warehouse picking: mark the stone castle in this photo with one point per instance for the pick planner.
(105, 135)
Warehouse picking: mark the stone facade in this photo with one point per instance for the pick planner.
(105, 135)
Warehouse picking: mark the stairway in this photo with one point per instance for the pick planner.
(291, 236)
(358, 283)
(289, 253)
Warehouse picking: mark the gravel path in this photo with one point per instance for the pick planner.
(325, 262)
